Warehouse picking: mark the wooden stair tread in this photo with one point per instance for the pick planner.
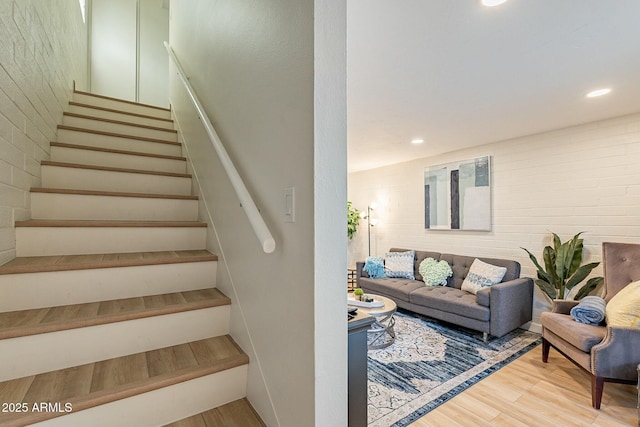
(111, 169)
(121, 100)
(111, 150)
(117, 135)
(41, 264)
(236, 413)
(110, 193)
(52, 319)
(106, 381)
(105, 223)
(118, 122)
(112, 110)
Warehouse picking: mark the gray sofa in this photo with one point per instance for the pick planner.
(495, 310)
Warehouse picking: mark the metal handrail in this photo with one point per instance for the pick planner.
(255, 219)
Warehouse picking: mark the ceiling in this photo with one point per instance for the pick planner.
(458, 74)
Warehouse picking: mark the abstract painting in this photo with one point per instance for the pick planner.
(457, 196)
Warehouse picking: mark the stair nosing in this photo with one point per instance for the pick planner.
(118, 122)
(43, 190)
(113, 110)
(115, 151)
(122, 100)
(53, 223)
(97, 398)
(117, 135)
(44, 268)
(65, 325)
(112, 169)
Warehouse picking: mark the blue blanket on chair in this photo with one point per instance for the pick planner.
(590, 310)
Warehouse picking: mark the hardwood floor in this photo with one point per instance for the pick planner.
(528, 392)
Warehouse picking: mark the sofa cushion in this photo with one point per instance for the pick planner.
(435, 273)
(374, 266)
(460, 265)
(482, 275)
(400, 264)
(420, 256)
(390, 287)
(450, 300)
(624, 308)
(579, 335)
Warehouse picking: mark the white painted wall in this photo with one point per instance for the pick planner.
(43, 49)
(273, 86)
(582, 178)
(128, 59)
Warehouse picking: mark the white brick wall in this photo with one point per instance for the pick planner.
(583, 178)
(43, 49)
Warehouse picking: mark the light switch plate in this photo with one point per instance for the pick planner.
(289, 208)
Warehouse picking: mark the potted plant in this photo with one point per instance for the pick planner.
(562, 270)
(353, 219)
(358, 294)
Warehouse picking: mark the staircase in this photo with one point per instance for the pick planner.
(109, 315)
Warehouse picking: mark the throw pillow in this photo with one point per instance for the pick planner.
(435, 273)
(624, 308)
(400, 264)
(374, 266)
(482, 275)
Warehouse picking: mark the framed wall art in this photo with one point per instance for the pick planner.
(457, 195)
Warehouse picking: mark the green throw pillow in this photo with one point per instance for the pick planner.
(435, 273)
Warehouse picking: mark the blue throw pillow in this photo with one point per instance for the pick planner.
(400, 264)
(374, 266)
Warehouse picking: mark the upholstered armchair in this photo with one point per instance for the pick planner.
(607, 353)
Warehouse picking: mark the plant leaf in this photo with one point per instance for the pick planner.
(547, 288)
(592, 283)
(581, 274)
(549, 255)
(542, 274)
(575, 260)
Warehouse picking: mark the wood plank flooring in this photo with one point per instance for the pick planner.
(39, 264)
(239, 413)
(528, 392)
(43, 320)
(97, 383)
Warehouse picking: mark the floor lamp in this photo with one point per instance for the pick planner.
(371, 222)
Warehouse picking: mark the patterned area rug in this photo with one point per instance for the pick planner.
(431, 362)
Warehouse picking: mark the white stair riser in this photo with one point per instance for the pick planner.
(43, 241)
(117, 160)
(123, 117)
(122, 106)
(89, 207)
(118, 128)
(51, 289)
(116, 143)
(162, 406)
(24, 356)
(126, 182)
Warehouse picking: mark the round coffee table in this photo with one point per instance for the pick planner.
(381, 333)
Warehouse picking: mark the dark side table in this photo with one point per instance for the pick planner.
(357, 369)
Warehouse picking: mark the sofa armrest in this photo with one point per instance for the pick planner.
(618, 355)
(360, 272)
(511, 305)
(563, 306)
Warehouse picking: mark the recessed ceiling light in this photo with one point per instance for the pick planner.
(417, 141)
(492, 3)
(598, 92)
